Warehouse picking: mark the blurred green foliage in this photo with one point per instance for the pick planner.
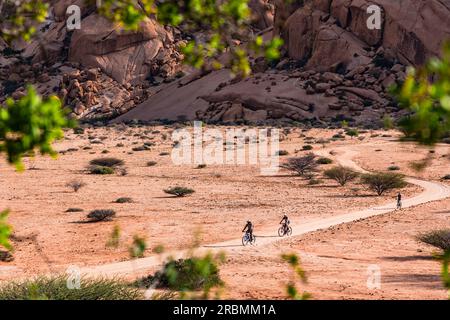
(19, 18)
(5, 230)
(31, 123)
(426, 93)
(294, 262)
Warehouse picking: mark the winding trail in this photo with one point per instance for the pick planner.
(432, 191)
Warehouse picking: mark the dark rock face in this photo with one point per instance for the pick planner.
(332, 32)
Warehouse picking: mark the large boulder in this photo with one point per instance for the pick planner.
(124, 55)
(411, 30)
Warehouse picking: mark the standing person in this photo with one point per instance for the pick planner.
(399, 200)
(249, 228)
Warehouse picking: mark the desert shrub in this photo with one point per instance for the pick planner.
(151, 163)
(107, 162)
(313, 182)
(6, 256)
(179, 191)
(393, 168)
(201, 166)
(324, 160)
(124, 200)
(185, 275)
(338, 136)
(78, 130)
(307, 147)
(138, 247)
(352, 133)
(56, 288)
(120, 145)
(303, 166)
(381, 182)
(437, 238)
(282, 153)
(100, 170)
(101, 215)
(388, 122)
(446, 177)
(75, 185)
(164, 153)
(123, 171)
(74, 210)
(105, 151)
(341, 174)
(140, 148)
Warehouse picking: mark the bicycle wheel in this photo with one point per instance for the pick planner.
(289, 231)
(281, 231)
(245, 240)
(253, 240)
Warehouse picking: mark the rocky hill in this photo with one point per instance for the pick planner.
(333, 66)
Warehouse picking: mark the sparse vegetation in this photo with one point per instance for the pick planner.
(57, 288)
(75, 185)
(307, 147)
(341, 174)
(107, 162)
(352, 133)
(151, 163)
(189, 274)
(393, 168)
(74, 210)
(324, 160)
(101, 215)
(381, 182)
(124, 200)
(179, 191)
(437, 238)
(282, 153)
(100, 170)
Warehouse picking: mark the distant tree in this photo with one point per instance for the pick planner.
(341, 174)
(303, 166)
(381, 182)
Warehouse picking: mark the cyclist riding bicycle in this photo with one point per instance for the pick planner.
(249, 229)
(285, 222)
(399, 200)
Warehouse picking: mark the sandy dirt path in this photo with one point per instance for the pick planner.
(432, 191)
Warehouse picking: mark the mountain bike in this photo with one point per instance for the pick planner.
(246, 239)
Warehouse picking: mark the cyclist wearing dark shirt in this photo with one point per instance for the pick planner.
(249, 229)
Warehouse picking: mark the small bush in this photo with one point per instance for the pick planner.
(381, 182)
(100, 170)
(124, 200)
(307, 147)
(56, 288)
(6, 256)
(105, 151)
(185, 275)
(78, 130)
(151, 163)
(101, 215)
(164, 153)
(437, 238)
(303, 166)
(107, 162)
(446, 177)
(341, 174)
(393, 168)
(352, 133)
(324, 160)
(179, 191)
(281, 153)
(75, 185)
(201, 166)
(74, 210)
